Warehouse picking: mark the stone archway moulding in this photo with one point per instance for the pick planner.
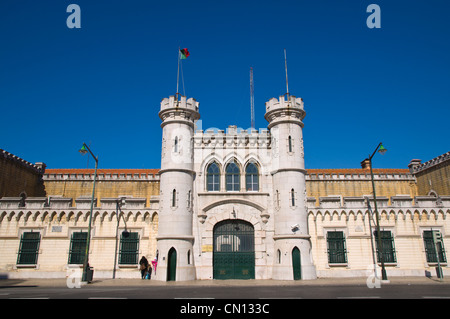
(251, 218)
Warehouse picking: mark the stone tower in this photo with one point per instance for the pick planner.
(292, 245)
(175, 239)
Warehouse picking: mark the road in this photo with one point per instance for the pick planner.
(215, 300)
(407, 291)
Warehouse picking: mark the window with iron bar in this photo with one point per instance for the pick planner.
(29, 248)
(77, 251)
(430, 249)
(129, 249)
(387, 246)
(337, 252)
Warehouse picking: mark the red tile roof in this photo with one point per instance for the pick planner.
(310, 171)
(357, 171)
(102, 171)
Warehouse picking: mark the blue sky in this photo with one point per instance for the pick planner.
(102, 84)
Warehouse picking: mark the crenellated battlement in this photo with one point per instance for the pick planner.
(179, 101)
(37, 167)
(176, 109)
(282, 102)
(416, 166)
(233, 137)
(285, 110)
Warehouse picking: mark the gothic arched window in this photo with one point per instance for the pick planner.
(213, 177)
(233, 177)
(251, 177)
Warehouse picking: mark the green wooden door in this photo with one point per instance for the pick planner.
(234, 250)
(172, 265)
(296, 264)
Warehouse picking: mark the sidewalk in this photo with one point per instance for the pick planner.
(100, 282)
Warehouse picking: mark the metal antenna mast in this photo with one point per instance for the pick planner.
(285, 67)
(252, 99)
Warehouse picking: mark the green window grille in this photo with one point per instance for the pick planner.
(387, 247)
(129, 249)
(337, 252)
(77, 251)
(430, 249)
(29, 248)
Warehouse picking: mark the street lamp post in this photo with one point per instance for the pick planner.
(380, 148)
(84, 149)
(125, 233)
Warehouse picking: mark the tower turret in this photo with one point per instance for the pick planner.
(292, 245)
(175, 239)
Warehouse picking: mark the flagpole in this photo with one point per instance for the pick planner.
(182, 77)
(178, 71)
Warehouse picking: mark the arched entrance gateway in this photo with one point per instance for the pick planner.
(234, 250)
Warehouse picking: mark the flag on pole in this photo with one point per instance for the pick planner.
(184, 53)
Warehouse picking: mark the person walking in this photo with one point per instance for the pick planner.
(155, 263)
(143, 266)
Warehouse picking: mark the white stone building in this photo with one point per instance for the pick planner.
(232, 201)
(231, 204)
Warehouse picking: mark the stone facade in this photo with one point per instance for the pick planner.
(405, 218)
(357, 183)
(19, 178)
(57, 218)
(433, 176)
(229, 204)
(74, 183)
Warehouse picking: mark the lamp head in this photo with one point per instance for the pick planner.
(382, 149)
(83, 149)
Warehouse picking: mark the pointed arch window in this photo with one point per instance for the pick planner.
(290, 144)
(252, 177)
(233, 177)
(213, 177)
